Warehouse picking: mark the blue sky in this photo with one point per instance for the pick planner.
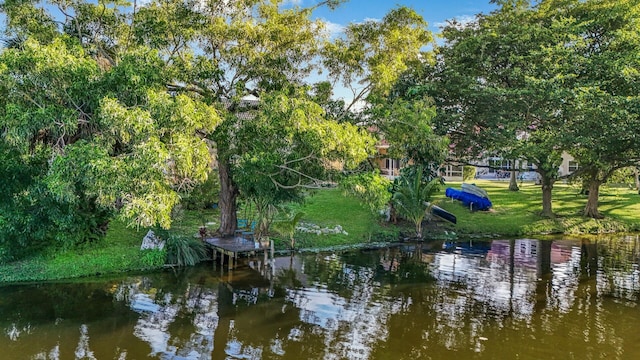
(436, 12)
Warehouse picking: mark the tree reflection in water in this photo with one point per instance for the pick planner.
(496, 299)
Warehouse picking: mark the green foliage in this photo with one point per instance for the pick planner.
(624, 176)
(184, 251)
(468, 173)
(378, 52)
(91, 117)
(603, 104)
(370, 187)
(153, 258)
(406, 125)
(202, 196)
(285, 149)
(411, 196)
(493, 90)
(287, 226)
(39, 210)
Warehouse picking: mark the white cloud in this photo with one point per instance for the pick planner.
(292, 2)
(333, 29)
(463, 20)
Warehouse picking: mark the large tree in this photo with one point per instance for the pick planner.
(375, 61)
(603, 75)
(262, 48)
(271, 147)
(493, 95)
(94, 126)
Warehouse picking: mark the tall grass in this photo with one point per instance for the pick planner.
(184, 251)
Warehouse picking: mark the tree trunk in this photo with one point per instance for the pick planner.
(547, 187)
(513, 182)
(636, 175)
(227, 202)
(591, 209)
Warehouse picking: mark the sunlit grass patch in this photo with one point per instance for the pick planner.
(517, 212)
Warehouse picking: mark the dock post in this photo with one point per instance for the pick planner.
(272, 262)
(273, 249)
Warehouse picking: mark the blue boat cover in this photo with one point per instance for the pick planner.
(468, 199)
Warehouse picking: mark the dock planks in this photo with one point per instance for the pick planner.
(233, 247)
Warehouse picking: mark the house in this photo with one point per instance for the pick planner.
(389, 167)
(487, 168)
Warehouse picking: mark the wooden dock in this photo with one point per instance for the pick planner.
(233, 247)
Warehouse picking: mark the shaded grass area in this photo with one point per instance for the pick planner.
(328, 208)
(517, 213)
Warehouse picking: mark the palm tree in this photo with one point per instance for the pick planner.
(287, 227)
(412, 196)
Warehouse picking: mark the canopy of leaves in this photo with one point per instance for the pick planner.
(97, 130)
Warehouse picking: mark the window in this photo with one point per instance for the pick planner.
(391, 166)
(452, 171)
(499, 164)
(573, 166)
(392, 163)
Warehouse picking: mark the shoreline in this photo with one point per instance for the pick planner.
(48, 270)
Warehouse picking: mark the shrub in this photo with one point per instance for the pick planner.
(153, 258)
(468, 173)
(371, 188)
(38, 210)
(184, 251)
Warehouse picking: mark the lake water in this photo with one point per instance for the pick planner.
(501, 299)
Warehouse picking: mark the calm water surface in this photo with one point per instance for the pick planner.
(501, 299)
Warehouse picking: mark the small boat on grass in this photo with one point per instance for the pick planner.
(473, 189)
(472, 201)
(444, 214)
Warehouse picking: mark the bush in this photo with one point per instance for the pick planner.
(468, 173)
(38, 210)
(184, 251)
(153, 258)
(371, 188)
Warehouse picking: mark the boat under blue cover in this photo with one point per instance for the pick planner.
(475, 202)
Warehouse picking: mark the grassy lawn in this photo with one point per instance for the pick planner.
(328, 208)
(516, 213)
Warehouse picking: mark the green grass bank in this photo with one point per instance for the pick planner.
(513, 214)
(516, 213)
